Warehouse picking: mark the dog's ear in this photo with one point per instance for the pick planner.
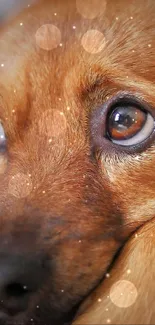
(126, 295)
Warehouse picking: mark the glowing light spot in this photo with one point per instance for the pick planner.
(79, 241)
(25, 287)
(2, 65)
(108, 321)
(68, 108)
(74, 27)
(149, 45)
(93, 41)
(20, 185)
(48, 37)
(117, 18)
(120, 294)
(62, 290)
(55, 14)
(43, 192)
(131, 17)
(107, 275)
(90, 9)
(128, 271)
(99, 300)
(13, 111)
(21, 24)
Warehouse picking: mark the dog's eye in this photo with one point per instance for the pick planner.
(2, 137)
(129, 125)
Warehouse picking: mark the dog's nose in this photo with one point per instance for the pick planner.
(20, 278)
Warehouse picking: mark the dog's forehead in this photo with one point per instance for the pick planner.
(52, 72)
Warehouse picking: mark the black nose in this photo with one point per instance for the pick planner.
(20, 278)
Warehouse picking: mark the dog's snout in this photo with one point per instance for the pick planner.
(20, 279)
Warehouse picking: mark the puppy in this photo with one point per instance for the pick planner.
(77, 153)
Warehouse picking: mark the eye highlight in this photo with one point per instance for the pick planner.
(129, 125)
(2, 138)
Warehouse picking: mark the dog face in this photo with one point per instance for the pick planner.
(77, 130)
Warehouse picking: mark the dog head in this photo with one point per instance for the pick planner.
(77, 150)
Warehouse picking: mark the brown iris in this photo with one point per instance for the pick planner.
(125, 122)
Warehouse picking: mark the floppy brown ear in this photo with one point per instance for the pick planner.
(131, 300)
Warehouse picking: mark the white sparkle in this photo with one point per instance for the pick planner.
(99, 300)
(116, 18)
(108, 320)
(30, 175)
(13, 111)
(79, 241)
(74, 27)
(50, 140)
(25, 287)
(43, 192)
(131, 17)
(2, 137)
(68, 108)
(62, 290)
(14, 91)
(2, 65)
(31, 319)
(106, 309)
(61, 113)
(21, 24)
(149, 45)
(133, 51)
(136, 235)
(59, 99)
(37, 306)
(28, 184)
(60, 44)
(107, 275)
(55, 14)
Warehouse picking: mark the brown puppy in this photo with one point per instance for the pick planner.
(69, 161)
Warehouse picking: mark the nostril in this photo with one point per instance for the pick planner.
(16, 290)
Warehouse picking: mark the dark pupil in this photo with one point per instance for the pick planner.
(123, 118)
(125, 122)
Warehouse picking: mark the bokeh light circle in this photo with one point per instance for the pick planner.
(20, 185)
(123, 293)
(93, 41)
(52, 123)
(48, 37)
